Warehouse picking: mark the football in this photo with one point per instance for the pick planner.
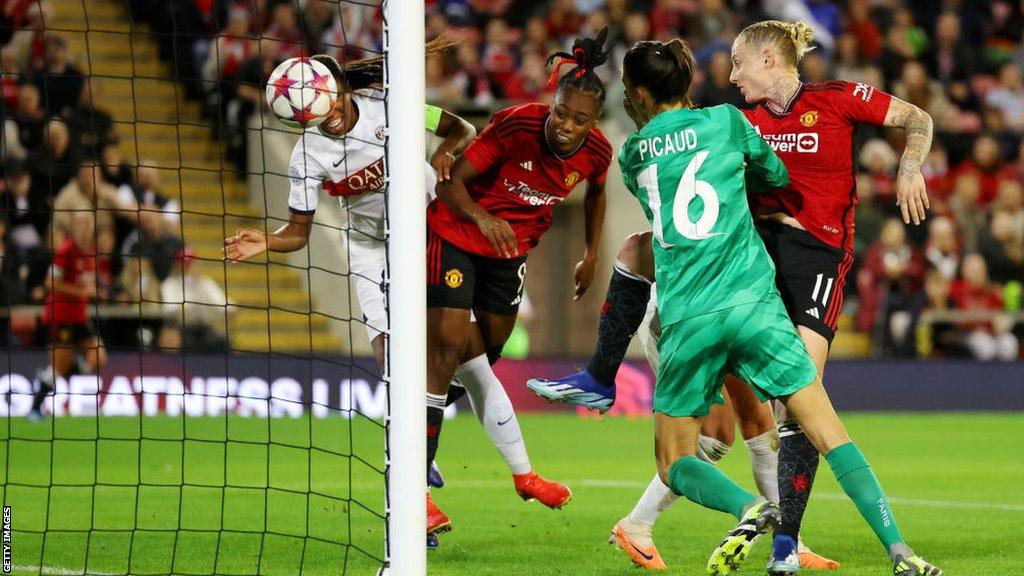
(301, 92)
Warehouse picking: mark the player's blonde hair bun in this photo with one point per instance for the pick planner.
(802, 35)
(790, 39)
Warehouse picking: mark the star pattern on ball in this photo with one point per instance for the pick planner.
(302, 115)
(281, 86)
(320, 83)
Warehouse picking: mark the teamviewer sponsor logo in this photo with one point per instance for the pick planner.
(7, 539)
(531, 196)
(807, 142)
(804, 142)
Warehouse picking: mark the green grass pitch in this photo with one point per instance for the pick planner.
(956, 481)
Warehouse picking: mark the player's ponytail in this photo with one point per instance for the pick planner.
(791, 40)
(369, 72)
(664, 69)
(587, 54)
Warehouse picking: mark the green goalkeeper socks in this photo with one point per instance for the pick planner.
(706, 485)
(860, 484)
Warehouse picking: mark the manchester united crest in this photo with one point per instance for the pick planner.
(572, 179)
(809, 119)
(453, 278)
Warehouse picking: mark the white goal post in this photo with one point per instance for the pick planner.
(406, 361)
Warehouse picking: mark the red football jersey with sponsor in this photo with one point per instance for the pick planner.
(814, 138)
(73, 266)
(520, 179)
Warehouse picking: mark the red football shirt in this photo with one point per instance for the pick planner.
(814, 138)
(73, 266)
(520, 179)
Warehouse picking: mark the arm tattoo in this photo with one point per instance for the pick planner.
(918, 125)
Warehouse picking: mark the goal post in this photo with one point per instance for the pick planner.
(405, 372)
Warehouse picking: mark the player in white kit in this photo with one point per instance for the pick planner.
(345, 156)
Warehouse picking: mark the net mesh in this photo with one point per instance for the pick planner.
(236, 422)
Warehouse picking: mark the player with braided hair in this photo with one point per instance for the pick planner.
(492, 212)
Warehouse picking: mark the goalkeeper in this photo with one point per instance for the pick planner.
(720, 309)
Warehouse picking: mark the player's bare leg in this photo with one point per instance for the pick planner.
(675, 445)
(623, 311)
(811, 408)
(448, 331)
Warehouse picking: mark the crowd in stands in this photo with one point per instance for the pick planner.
(960, 61)
(62, 171)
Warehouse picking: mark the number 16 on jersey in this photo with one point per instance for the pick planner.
(688, 189)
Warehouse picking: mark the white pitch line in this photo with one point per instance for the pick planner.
(56, 570)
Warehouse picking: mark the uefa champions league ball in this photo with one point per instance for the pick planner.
(301, 92)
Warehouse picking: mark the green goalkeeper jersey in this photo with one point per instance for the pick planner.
(690, 170)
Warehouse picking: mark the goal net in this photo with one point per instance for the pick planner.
(198, 416)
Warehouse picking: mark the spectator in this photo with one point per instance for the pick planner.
(154, 241)
(1002, 246)
(941, 251)
(915, 37)
(949, 60)
(284, 27)
(86, 193)
(535, 38)
(964, 205)
(10, 80)
(711, 29)
(937, 178)
(863, 27)
(563, 20)
(986, 339)
(716, 88)
(530, 84)
(986, 165)
(471, 76)
(915, 87)
(814, 68)
(195, 308)
(317, 18)
(945, 339)
(888, 282)
(60, 82)
(440, 89)
(497, 59)
(879, 162)
(870, 217)
(1010, 199)
(29, 119)
(12, 288)
(26, 220)
(1008, 97)
(233, 46)
(248, 98)
(896, 53)
(849, 64)
(149, 192)
(91, 127)
(54, 164)
(114, 170)
(137, 283)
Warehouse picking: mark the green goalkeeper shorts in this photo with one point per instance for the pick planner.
(755, 341)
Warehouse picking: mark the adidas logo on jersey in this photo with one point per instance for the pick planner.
(813, 312)
(528, 165)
